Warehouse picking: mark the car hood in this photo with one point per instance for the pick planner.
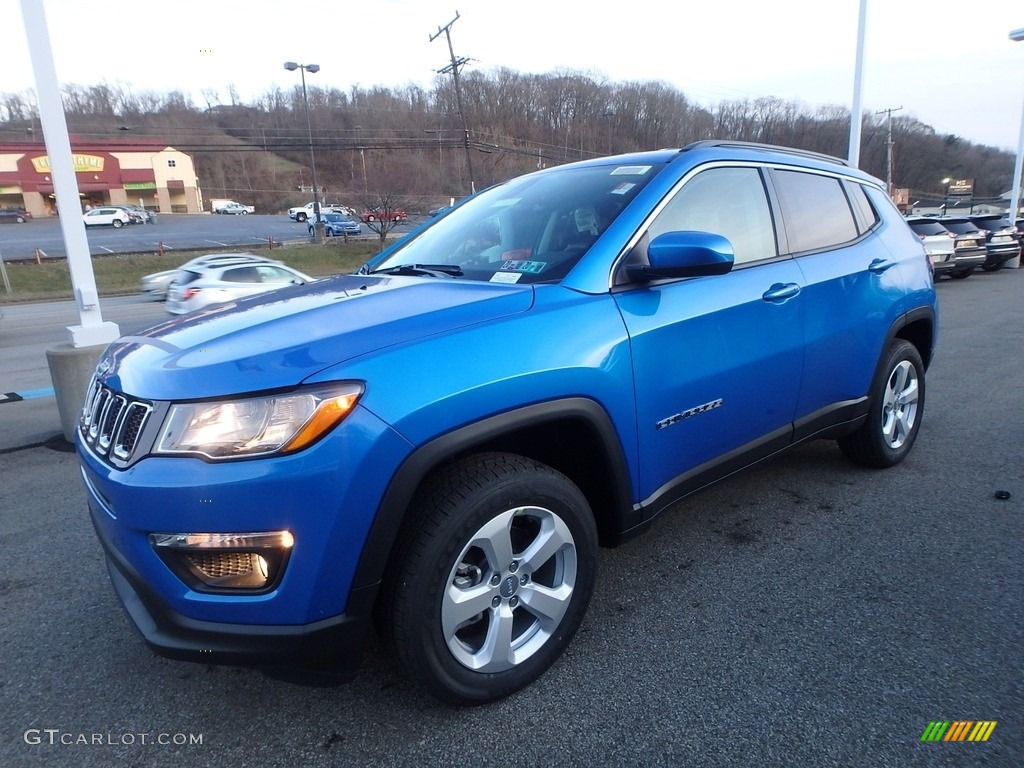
(276, 340)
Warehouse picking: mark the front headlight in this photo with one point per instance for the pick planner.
(256, 426)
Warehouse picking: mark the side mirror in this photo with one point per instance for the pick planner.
(684, 254)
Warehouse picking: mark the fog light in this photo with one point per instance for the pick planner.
(225, 561)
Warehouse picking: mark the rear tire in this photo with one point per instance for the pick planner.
(897, 405)
(117, 223)
(491, 578)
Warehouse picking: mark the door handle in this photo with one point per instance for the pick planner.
(880, 265)
(781, 292)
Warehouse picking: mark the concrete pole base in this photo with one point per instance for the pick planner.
(71, 370)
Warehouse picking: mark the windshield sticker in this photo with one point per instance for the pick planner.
(506, 277)
(623, 188)
(531, 267)
(631, 170)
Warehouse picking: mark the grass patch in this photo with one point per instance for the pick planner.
(120, 274)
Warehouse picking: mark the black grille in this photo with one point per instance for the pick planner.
(111, 422)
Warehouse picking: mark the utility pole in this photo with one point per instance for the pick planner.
(888, 148)
(456, 63)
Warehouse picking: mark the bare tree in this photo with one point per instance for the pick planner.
(383, 213)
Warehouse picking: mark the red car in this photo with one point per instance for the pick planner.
(384, 214)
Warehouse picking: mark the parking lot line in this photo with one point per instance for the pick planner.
(31, 394)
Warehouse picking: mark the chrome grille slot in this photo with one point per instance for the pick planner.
(111, 420)
(99, 409)
(130, 428)
(111, 423)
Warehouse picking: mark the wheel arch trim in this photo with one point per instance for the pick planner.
(391, 511)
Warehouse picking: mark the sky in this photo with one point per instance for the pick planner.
(947, 63)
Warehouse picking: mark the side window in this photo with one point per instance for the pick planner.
(726, 201)
(242, 275)
(815, 209)
(273, 275)
(863, 211)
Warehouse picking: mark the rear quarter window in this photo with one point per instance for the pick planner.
(816, 210)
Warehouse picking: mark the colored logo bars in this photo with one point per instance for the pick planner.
(958, 730)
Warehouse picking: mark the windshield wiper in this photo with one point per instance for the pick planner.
(433, 270)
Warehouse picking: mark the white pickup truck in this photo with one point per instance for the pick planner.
(304, 212)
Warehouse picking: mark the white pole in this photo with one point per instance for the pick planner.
(1017, 35)
(858, 72)
(92, 331)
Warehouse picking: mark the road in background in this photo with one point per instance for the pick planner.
(26, 332)
(174, 231)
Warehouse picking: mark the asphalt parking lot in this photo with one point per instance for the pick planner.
(804, 613)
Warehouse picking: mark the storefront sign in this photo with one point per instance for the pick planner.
(81, 163)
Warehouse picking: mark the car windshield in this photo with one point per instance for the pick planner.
(531, 229)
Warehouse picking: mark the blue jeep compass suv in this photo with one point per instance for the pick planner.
(441, 442)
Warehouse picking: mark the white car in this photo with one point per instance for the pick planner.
(938, 242)
(106, 216)
(201, 286)
(158, 283)
(236, 209)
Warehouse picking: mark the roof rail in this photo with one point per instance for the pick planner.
(772, 147)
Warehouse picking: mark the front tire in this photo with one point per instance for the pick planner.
(961, 274)
(897, 404)
(300, 217)
(491, 579)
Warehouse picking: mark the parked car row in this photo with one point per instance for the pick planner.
(117, 216)
(957, 245)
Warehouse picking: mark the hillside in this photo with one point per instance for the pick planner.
(409, 142)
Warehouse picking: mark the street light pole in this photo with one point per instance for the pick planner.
(1017, 36)
(856, 118)
(291, 66)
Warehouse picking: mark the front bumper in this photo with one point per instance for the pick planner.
(332, 645)
(315, 615)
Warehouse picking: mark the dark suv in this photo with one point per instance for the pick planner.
(969, 246)
(442, 440)
(1002, 240)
